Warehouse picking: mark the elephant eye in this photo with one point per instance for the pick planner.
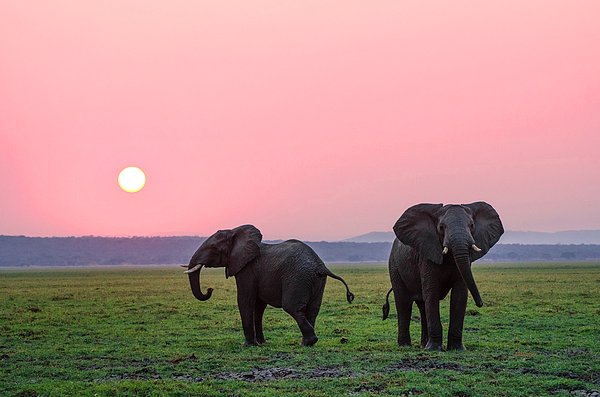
(471, 226)
(441, 227)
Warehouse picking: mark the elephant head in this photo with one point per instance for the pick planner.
(466, 232)
(232, 249)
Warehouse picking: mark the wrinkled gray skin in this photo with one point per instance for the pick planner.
(289, 275)
(420, 272)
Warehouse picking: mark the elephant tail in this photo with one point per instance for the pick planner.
(386, 306)
(349, 295)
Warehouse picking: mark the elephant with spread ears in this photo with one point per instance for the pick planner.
(288, 275)
(432, 254)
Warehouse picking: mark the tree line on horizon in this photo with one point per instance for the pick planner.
(83, 251)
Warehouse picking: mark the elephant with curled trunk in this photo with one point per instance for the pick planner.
(289, 275)
(432, 255)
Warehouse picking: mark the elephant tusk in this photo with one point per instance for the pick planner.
(195, 268)
(476, 248)
(184, 266)
(445, 251)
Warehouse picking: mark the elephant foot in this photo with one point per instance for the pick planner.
(250, 343)
(456, 346)
(311, 340)
(404, 342)
(261, 341)
(434, 346)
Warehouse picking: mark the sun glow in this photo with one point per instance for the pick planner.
(132, 179)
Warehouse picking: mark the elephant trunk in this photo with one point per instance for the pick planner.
(194, 278)
(463, 262)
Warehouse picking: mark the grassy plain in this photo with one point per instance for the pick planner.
(140, 332)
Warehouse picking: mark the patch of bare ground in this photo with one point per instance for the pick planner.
(579, 393)
(276, 373)
(424, 365)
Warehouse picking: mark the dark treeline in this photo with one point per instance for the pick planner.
(82, 251)
(77, 251)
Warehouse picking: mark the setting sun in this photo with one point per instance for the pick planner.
(132, 179)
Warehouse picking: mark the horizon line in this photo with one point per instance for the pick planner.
(266, 239)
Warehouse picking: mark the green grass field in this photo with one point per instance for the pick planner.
(139, 331)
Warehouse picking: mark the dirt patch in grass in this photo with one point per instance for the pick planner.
(260, 374)
(578, 393)
(330, 372)
(177, 360)
(147, 372)
(149, 375)
(585, 393)
(587, 377)
(188, 378)
(424, 365)
(276, 373)
(577, 352)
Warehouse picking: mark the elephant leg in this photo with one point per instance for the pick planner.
(315, 303)
(458, 305)
(404, 311)
(247, 304)
(423, 314)
(296, 306)
(259, 310)
(432, 310)
(309, 337)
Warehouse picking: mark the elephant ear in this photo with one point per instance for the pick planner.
(245, 248)
(488, 227)
(417, 228)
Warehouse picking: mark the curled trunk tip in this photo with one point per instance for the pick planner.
(194, 279)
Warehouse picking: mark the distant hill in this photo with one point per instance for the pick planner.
(509, 237)
(564, 237)
(372, 237)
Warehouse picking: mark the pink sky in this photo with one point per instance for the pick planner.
(309, 119)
